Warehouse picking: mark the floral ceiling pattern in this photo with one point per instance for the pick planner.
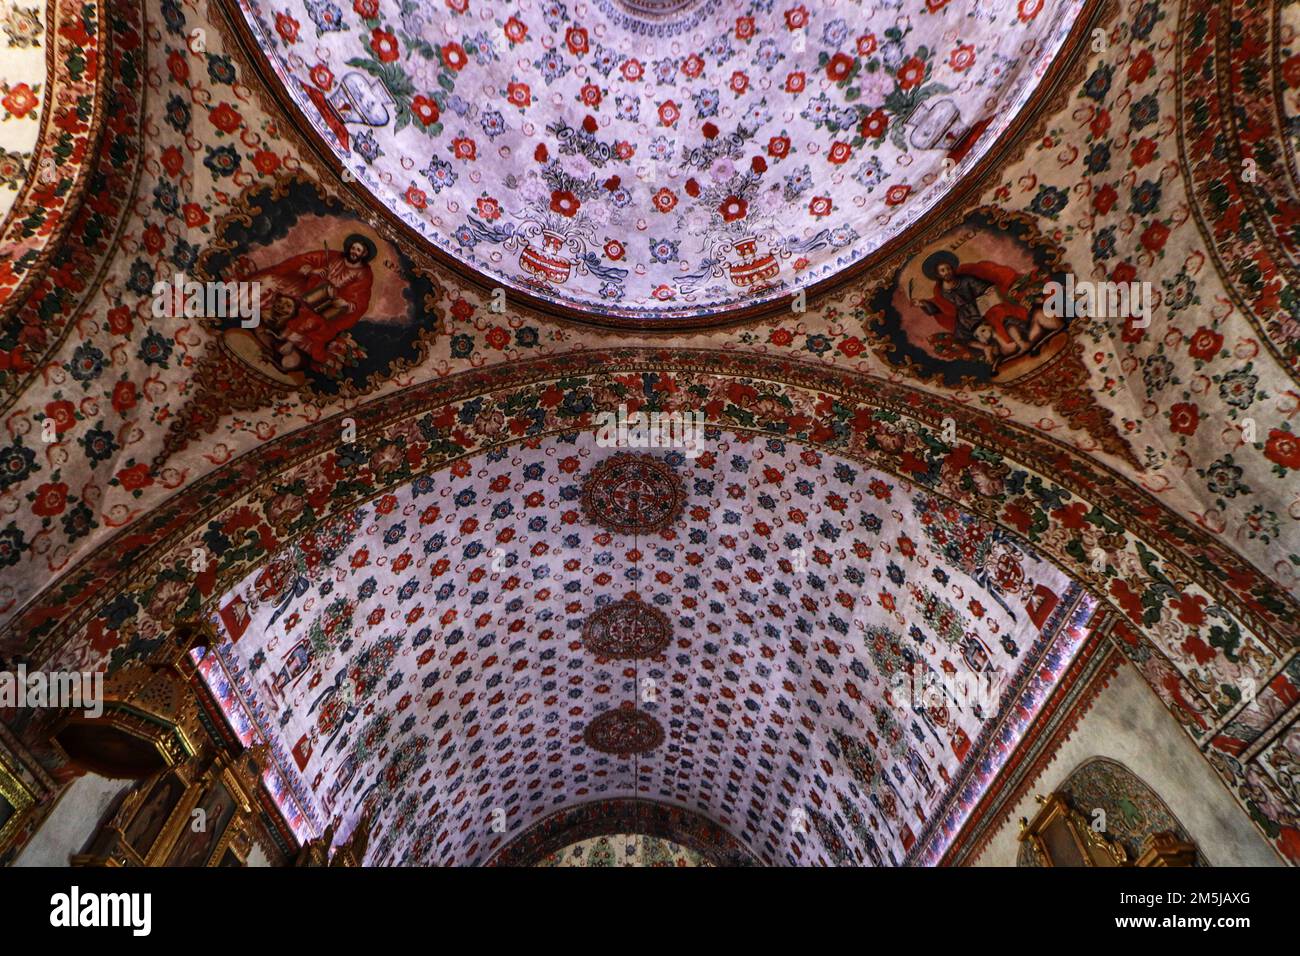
(666, 166)
(426, 654)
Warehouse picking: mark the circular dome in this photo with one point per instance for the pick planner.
(658, 160)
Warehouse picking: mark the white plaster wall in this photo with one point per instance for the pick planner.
(73, 820)
(1127, 723)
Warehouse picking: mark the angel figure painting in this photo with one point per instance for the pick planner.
(969, 306)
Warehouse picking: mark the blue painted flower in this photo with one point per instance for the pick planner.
(440, 174)
(1050, 201)
(222, 161)
(87, 362)
(154, 349)
(492, 123)
(327, 17)
(663, 250)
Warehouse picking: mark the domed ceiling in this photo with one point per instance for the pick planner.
(650, 161)
(438, 655)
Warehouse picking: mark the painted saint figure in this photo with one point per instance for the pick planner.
(979, 305)
(312, 299)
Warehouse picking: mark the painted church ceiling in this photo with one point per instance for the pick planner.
(674, 164)
(132, 434)
(430, 654)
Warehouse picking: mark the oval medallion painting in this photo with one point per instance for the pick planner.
(627, 630)
(624, 730)
(658, 163)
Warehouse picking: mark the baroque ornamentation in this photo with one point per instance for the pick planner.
(633, 494)
(627, 630)
(623, 731)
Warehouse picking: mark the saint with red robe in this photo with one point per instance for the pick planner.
(315, 297)
(1004, 329)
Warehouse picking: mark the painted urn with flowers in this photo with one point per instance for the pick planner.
(752, 269)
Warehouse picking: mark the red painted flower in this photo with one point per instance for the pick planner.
(322, 76)
(415, 197)
(744, 28)
(589, 95)
(177, 67)
(519, 94)
(1282, 448)
(693, 65)
(516, 30)
(20, 100)
(62, 414)
(1155, 236)
(692, 188)
(425, 110)
(1291, 71)
(464, 149)
(962, 58)
(739, 82)
(897, 194)
(778, 147)
(839, 67)
(194, 215)
(1141, 66)
(758, 164)
(1184, 418)
(458, 6)
(135, 477)
(839, 153)
(287, 27)
(119, 320)
(1205, 344)
(669, 113)
(624, 150)
(1144, 150)
(540, 153)
(488, 208)
(125, 396)
(384, 44)
(867, 44)
(1105, 199)
(575, 38)
(733, 208)
(266, 162)
(795, 82)
(665, 199)
(632, 70)
(51, 499)
(910, 74)
(565, 203)
(589, 124)
(614, 250)
(709, 130)
(453, 54)
(1028, 9)
(874, 124)
(820, 206)
(368, 9)
(796, 18)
